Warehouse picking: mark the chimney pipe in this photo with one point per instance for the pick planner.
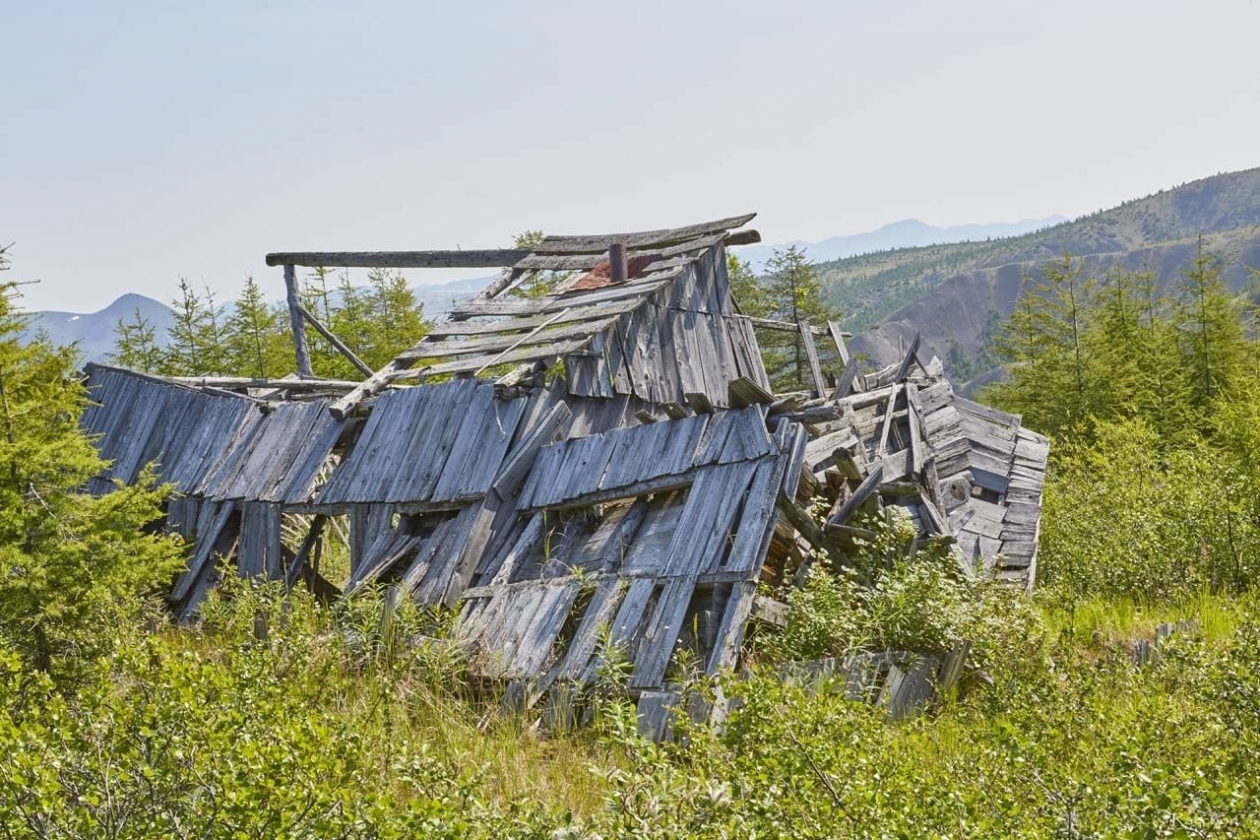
(617, 262)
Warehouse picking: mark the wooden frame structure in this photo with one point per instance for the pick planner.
(604, 462)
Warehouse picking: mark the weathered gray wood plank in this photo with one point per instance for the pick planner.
(398, 259)
(301, 352)
(864, 491)
(838, 335)
(638, 239)
(811, 355)
(476, 364)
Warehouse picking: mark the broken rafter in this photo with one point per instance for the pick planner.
(522, 340)
(911, 356)
(782, 326)
(917, 454)
(505, 279)
(369, 387)
(888, 418)
(811, 354)
(801, 520)
(864, 491)
(845, 386)
(333, 340)
(838, 336)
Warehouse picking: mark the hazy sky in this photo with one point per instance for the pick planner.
(140, 142)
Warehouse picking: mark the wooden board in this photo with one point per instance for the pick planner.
(639, 239)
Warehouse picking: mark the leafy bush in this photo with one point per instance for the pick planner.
(1075, 748)
(1130, 516)
(216, 732)
(890, 600)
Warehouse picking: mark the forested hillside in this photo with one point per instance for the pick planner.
(953, 294)
(275, 715)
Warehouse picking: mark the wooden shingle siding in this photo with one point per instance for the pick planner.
(451, 437)
(214, 446)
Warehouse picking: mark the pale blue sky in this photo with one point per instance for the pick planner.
(144, 141)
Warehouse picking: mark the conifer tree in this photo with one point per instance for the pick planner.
(1027, 346)
(750, 296)
(197, 344)
(135, 344)
(1135, 347)
(1114, 340)
(352, 323)
(257, 337)
(1209, 318)
(794, 294)
(71, 562)
(1052, 377)
(397, 317)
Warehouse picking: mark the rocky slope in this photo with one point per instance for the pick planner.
(956, 295)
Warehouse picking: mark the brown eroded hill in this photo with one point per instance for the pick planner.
(956, 295)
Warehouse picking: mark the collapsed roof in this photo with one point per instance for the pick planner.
(649, 489)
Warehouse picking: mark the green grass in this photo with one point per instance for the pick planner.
(1102, 621)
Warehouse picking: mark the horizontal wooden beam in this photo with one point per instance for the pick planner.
(498, 258)
(783, 326)
(232, 382)
(227, 383)
(637, 239)
(399, 259)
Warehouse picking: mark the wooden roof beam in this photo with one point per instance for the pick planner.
(499, 258)
(639, 239)
(785, 326)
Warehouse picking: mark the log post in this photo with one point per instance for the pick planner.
(301, 351)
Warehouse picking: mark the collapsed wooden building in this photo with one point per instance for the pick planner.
(606, 462)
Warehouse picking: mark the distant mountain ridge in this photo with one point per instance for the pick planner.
(955, 294)
(94, 332)
(907, 233)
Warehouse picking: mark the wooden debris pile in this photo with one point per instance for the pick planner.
(964, 472)
(642, 498)
(901, 683)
